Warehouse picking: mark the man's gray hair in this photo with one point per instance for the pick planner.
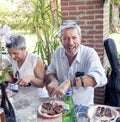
(70, 24)
(15, 41)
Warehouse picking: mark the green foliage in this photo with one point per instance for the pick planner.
(118, 56)
(4, 74)
(111, 11)
(117, 2)
(47, 33)
(36, 16)
(15, 15)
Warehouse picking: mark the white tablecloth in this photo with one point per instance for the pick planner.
(25, 100)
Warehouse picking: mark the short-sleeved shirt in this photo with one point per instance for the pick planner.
(87, 61)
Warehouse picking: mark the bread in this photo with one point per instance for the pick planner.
(108, 112)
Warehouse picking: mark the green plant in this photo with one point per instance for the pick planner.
(3, 72)
(15, 14)
(47, 33)
(117, 2)
(118, 54)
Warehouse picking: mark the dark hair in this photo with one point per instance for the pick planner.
(15, 41)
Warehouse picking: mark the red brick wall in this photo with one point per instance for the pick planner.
(93, 17)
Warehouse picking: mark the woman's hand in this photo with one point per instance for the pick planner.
(24, 81)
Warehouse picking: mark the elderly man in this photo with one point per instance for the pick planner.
(75, 65)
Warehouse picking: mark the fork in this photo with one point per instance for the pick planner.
(52, 99)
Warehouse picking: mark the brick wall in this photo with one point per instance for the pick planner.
(93, 17)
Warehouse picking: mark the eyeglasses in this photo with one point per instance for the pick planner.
(68, 24)
(17, 77)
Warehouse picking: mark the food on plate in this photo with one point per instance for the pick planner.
(58, 108)
(47, 106)
(98, 110)
(52, 109)
(108, 112)
(103, 111)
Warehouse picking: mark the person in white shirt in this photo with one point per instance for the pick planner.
(74, 65)
(28, 68)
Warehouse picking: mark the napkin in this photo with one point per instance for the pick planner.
(81, 110)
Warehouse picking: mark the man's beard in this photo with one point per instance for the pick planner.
(71, 54)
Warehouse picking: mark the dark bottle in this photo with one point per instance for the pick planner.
(7, 106)
(69, 114)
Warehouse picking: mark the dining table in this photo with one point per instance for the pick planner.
(27, 99)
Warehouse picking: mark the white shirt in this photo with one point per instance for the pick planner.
(87, 61)
(27, 69)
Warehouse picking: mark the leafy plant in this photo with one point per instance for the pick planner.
(47, 33)
(117, 2)
(5, 73)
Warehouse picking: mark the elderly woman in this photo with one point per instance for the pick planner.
(28, 68)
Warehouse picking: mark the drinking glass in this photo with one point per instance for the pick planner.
(32, 116)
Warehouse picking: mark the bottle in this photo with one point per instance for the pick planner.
(2, 115)
(7, 106)
(69, 113)
(66, 113)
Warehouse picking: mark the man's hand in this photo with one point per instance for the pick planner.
(61, 90)
(52, 87)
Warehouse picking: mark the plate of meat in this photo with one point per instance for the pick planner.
(102, 113)
(51, 111)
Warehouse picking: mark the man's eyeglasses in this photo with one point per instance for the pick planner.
(68, 24)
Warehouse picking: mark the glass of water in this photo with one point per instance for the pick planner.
(32, 115)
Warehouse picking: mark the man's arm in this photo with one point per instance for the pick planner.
(51, 84)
